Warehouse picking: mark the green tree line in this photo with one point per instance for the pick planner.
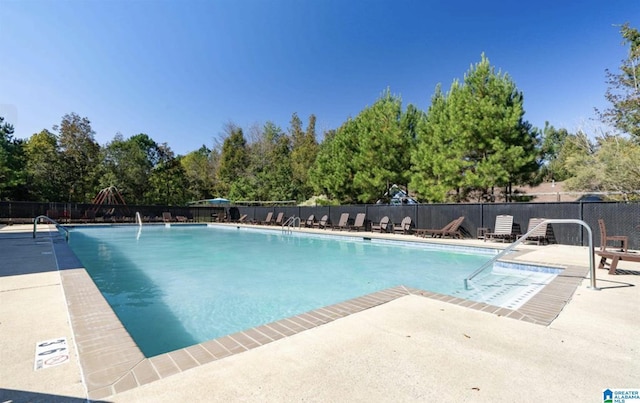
(471, 144)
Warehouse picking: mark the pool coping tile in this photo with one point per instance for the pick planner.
(216, 349)
(164, 365)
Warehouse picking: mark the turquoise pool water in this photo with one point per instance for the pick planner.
(176, 286)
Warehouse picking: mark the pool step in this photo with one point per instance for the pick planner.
(506, 290)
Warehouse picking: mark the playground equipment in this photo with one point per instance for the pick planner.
(109, 196)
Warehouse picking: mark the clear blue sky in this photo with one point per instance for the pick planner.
(180, 70)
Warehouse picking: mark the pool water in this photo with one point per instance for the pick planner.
(177, 286)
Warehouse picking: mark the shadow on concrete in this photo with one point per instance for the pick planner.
(628, 272)
(11, 395)
(22, 254)
(614, 284)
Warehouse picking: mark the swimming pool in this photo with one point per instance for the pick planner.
(176, 286)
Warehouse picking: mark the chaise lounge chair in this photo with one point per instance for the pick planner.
(540, 234)
(343, 223)
(604, 238)
(383, 226)
(279, 219)
(166, 216)
(503, 229)
(358, 224)
(452, 229)
(268, 220)
(323, 223)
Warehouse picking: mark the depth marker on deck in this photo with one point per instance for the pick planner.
(50, 353)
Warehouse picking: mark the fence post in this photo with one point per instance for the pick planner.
(581, 219)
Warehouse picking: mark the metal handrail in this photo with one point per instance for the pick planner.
(289, 223)
(592, 266)
(138, 218)
(51, 220)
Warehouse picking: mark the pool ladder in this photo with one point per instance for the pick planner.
(287, 227)
(52, 221)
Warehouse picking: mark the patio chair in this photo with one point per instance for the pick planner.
(344, 221)
(503, 229)
(166, 216)
(242, 219)
(310, 221)
(604, 238)
(323, 223)
(279, 219)
(268, 220)
(383, 226)
(452, 229)
(359, 222)
(539, 235)
(404, 227)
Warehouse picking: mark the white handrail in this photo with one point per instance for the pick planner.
(592, 266)
(138, 218)
(57, 224)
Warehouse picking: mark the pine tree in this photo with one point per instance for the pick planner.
(475, 139)
(382, 146)
(624, 88)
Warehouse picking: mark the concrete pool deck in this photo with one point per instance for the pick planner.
(411, 348)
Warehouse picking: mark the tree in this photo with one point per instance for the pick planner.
(579, 156)
(200, 173)
(624, 88)
(270, 164)
(437, 158)
(610, 165)
(304, 149)
(553, 167)
(383, 148)
(80, 157)
(167, 180)
(12, 163)
(44, 167)
(127, 164)
(333, 171)
(620, 158)
(474, 139)
(233, 163)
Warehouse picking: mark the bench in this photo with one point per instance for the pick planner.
(615, 258)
